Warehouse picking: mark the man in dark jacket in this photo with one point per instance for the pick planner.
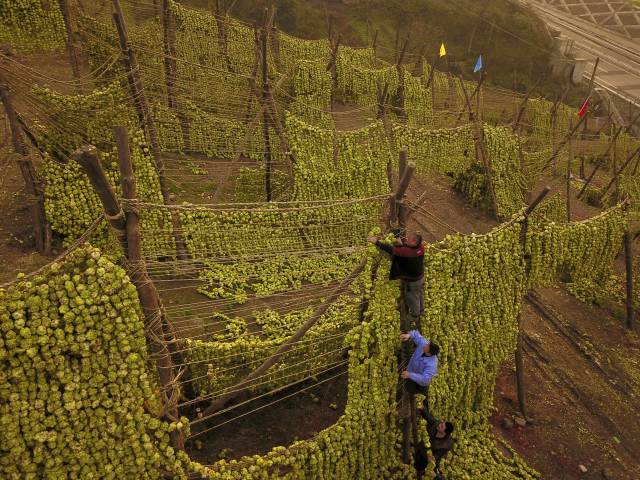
(407, 265)
(439, 438)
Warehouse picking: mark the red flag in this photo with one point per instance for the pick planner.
(584, 108)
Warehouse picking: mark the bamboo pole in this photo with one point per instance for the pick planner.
(523, 107)
(409, 425)
(127, 233)
(71, 46)
(170, 69)
(520, 384)
(481, 154)
(27, 170)
(620, 130)
(144, 114)
(168, 37)
(265, 118)
(628, 262)
(568, 190)
(401, 83)
(332, 67)
(624, 166)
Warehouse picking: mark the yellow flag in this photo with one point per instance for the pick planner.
(443, 51)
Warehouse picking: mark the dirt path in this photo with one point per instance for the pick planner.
(583, 393)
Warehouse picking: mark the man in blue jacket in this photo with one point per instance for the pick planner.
(422, 366)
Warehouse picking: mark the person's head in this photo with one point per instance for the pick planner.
(431, 349)
(444, 429)
(413, 239)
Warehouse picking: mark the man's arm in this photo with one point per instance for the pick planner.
(382, 246)
(428, 416)
(418, 339)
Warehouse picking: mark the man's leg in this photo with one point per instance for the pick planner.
(414, 295)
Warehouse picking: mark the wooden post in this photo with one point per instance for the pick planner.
(265, 118)
(628, 262)
(626, 163)
(140, 99)
(27, 169)
(564, 141)
(611, 145)
(569, 176)
(419, 65)
(616, 177)
(126, 231)
(523, 107)
(169, 54)
(481, 154)
(243, 385)
(222, 36)
(467, 101)
(520, 385)
(479, 112)
(170, 71)
(374, 44)
(144, 114)
(332, 67)
(401, 86)
(71, 45)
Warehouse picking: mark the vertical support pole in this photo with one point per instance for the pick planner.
(168, 36)
(71, 45)
(569, 164)
(405, 173)
(28, 171)
(170, 72)
(401, 80)
(628, 262)
(333, 68)
(144, 114)
(520, 385)
(264, 36)
(616, 175)
(374, 44)
(140, 99)
(127, 232)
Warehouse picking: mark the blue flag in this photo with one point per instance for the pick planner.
(478, 66)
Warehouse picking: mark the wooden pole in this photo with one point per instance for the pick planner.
(27, 169)
(564, 141)
(374, 44)
(222, 36)
(401, 83)
(140, 99)
(628, 262)
(523, 106)
(481, 154)
(169, 54)
(624, 166)
(611, 145)
(568, 192)
(409, 425)
(419, 65)
(71, 46)
(332, 67)
(520, 385)
(126, 231)
(144, 114)
(264, 36)
(243, 385)
(467, 101)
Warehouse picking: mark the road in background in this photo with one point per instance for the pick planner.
(619, 68)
